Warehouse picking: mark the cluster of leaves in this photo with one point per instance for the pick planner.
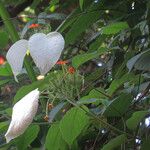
(105, 103)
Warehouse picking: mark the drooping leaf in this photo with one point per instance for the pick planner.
(114, 28)
(118, 106)
(115, 142)
(72, 124)
(135, 119)
(54, 139)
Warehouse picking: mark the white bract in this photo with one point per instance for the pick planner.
(44, 49)
(22, 115)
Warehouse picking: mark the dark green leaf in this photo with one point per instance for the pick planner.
(135, 119)
(3, 39)
(2, 82)
(82, 58)
(81, 24)
(145, 144)
(118, 106)
(116, 142)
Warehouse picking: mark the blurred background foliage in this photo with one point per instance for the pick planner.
(104, 102)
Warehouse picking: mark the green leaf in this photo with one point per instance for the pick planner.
(94, 96)
(82, 23)
(143, 62)
(131, 62)
(117, 83)
(5, 70)
(28, 137)
(54, 139)
(3, 126)
(81, 4)
(4, 39)
(118, 106)
(72, 124)
(55, 111)
(116, 142)
(145, 144)
(115, 28)
(2, 82)
(82, 58)
(135, 119)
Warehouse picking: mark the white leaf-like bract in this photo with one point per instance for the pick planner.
(44, 49)
(22, 115)
(15, 56)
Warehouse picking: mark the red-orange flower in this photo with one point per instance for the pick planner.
(34, 25)
(71, 70)
(61, 62)
(2, 60)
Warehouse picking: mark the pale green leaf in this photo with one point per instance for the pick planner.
(72, 124)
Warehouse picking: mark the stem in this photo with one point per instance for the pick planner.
(15, 37)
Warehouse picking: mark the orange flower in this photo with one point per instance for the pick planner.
(71, 70)
(61, 62)
(2, 60)
(34, 25)
(46, 118)
(50, 106)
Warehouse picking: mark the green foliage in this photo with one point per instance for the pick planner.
(133, 122)
(72, 124)
(81, 2)
(4, 39)
(5, 70)
(116, 142)
(54, 140)
(118, 106)
(115, 28)
(82, 58)
(103, 103)
(28, 137)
